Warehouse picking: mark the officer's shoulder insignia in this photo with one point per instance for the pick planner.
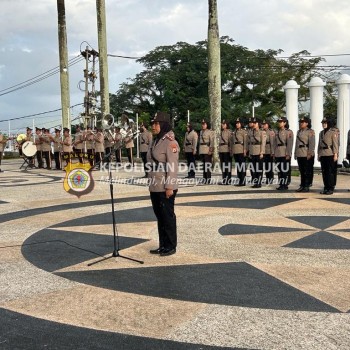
(173, 147)
(167, 136)
(312, 132)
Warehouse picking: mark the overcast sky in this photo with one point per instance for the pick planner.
(29, 39)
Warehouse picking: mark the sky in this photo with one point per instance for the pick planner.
(29, 41)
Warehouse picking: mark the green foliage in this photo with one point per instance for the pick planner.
(175, 79)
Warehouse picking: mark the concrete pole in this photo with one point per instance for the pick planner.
(343, 113)
(63, 53)
(102, 47)
(214, 75)
(316, 86)
(291, 89)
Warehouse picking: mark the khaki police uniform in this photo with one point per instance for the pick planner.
(108, 144)
(239, 146)
(268, 155)
(46, 150)
(118, 144)
(145, 143)
(162, 164)
(190, 149)
(79, 145)
(284, 140)
(2, 147)
(256, 149)
(67, 148)
(206, 149)
(38, 143)
(129, 145)
(99, 148)
(224, 155)
(57, 151)
(304, 153)
(90, 147)
(328, 147)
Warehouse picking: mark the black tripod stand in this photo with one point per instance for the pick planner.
(115, 253)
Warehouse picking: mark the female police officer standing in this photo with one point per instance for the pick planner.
(162, 161)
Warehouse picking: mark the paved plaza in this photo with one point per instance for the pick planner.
(254, 269)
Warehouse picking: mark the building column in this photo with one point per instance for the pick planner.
(343, 113)
(316, 86)
(291, 89)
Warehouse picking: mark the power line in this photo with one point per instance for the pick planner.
(36, 114)
(119, 56)
(37, 78)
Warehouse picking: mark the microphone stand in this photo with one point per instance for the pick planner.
(115, 253)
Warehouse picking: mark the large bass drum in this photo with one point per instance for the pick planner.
(29, 149)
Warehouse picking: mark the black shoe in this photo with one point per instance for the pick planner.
(329, 192)
(282, 188)
(324, 192)
(300, 189)
(305, 189)
(157, 251)
(256, 186)
(166, 252)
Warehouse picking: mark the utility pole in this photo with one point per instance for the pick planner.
(214, 74)
(102, 47)
(63, 53)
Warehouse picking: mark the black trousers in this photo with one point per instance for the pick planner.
(58, 160)
(268, 168)
(207, 161)
(283, 166)
(91, 156)
(99, 158)
(164, 211)
(240, 166)
(118, 155)
(191, 164)
(108, 154)
(39, 158)
(80, 154)
(329, 170)
(306, 167)
(257, 169)
(226, 166)
(144, 161)
(47, 156)
(67, 156)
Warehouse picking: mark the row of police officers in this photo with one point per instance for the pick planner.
(266, 150)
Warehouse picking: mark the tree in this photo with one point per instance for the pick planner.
(176, 77)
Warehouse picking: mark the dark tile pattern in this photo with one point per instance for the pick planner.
(319, 222)
(51, 250)
(121, 217)
(262, 203)
(25, 332)
(238, 229)
(234, 284)
(321, 240)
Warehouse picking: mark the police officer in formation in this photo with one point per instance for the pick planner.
(190, 149)
(38, 143)
(206, 149)
(238, 149)
(57, 149)
(145, 143)
(327, 153)
(224, 153)
(67, 146)
(283, 152)
(304, 153)
(256, 147)
(268, 161)
(162, 161)
(46, 148)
